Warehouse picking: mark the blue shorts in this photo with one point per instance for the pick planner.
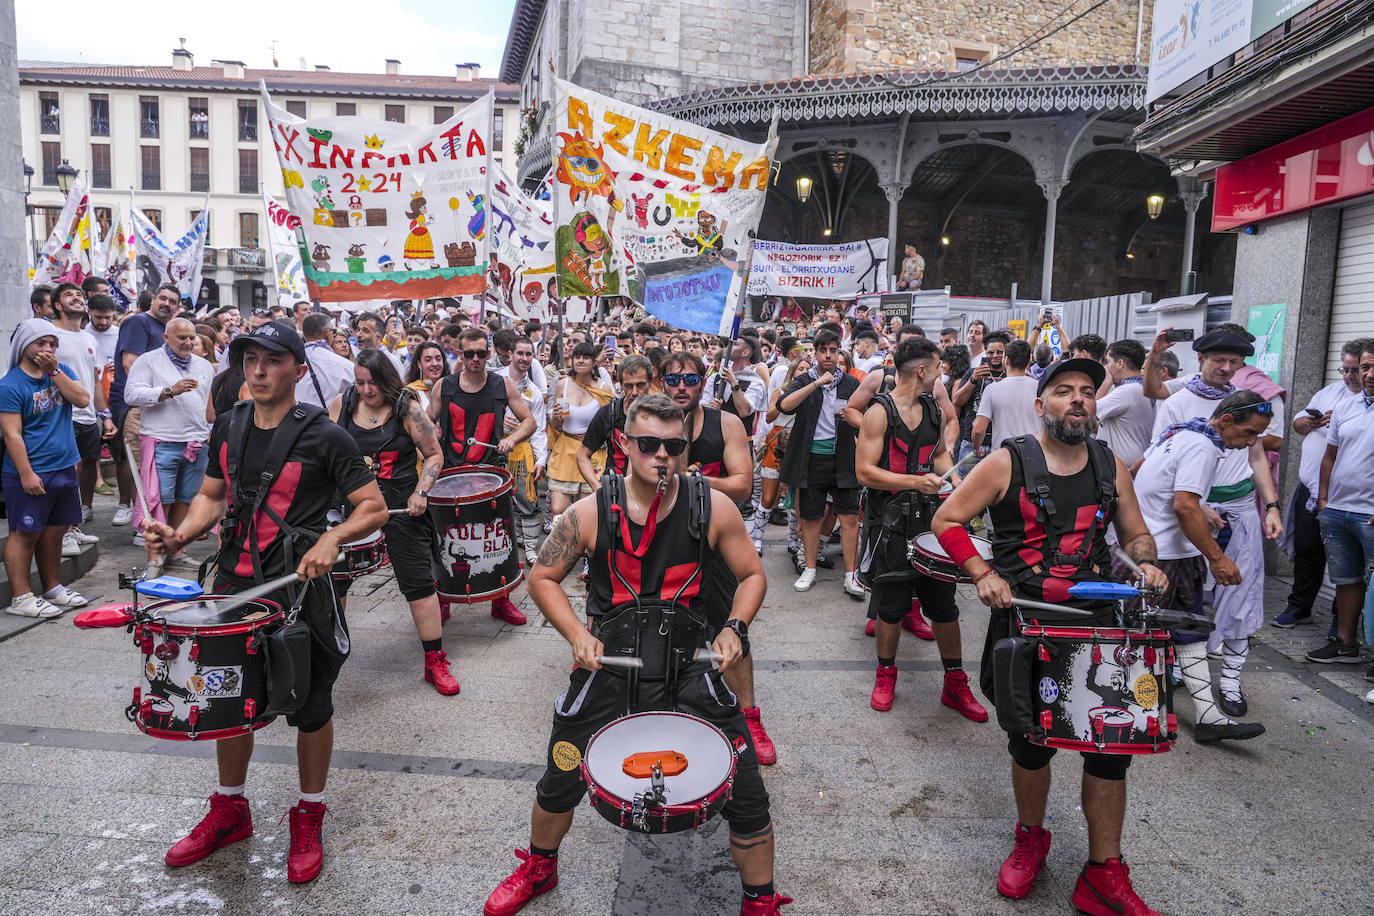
(1349, 541)
(60, 504)
(178, 480)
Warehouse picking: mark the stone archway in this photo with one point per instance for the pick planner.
(845, 187)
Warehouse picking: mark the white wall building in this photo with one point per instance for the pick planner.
(172, 134)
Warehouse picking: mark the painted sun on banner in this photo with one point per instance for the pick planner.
(654, 208)
(387, 210)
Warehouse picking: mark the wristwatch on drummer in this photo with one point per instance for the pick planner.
(741, 630)
(423, 494)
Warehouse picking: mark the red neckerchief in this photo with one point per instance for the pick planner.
(650, 526)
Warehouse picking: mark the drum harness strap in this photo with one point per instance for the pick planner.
(615, 524)
(1036, 476)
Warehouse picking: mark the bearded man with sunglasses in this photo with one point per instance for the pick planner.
(1229, 506)
(652, 536)
(472, 404)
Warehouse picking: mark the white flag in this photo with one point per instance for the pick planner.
(60, 250)
(179, 264)
(285, 253)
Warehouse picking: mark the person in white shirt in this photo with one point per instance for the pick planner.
(1231, 502)
(977, 330)
(172, 385)
(1345, 510)
(527, 460)
(741, 388)
(1126, 415)
(866, 355)
(100, 308)
(1009, 406)
(1302, 531)
(328, 374)
(367, 328)
(77, 350)
(1176, 475)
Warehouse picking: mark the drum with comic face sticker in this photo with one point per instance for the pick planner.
(473, 513)
(204, 671)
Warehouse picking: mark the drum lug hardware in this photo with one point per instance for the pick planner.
(654, 796)
(195, 649)
(250, 709)
(191, 717)
(167, 651)
(1173, 725)
(252, 648)
(131, 711)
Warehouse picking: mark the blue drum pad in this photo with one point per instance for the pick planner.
(170, 587)
(1103, 591)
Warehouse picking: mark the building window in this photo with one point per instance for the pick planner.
(970, 55)
(50, 216)
(345, 109)
(100, 166)
(248, 120)
(200, 168)
(49, 116)
(52, 158)
(248, 230)
(200, 119)
(154, 217)
(150, 161)
(100, 115)
(396, 113)
(248, 171)
(195, 215)
(442, 113)
(499, 131)
(149, 121)
(296, 107)
(103, 218)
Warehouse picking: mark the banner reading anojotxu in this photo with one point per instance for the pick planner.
(654, 208)
(388, 210)
(822, 271)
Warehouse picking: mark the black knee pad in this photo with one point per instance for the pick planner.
(750, 824)
(1028, 756)
(1107, 766)
(312, 725)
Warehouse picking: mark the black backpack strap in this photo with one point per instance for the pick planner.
(1035, 471)
(699, 508)
(1104, 469)
(297, 419)
(610, 495)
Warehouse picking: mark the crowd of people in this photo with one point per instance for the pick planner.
(848, 432)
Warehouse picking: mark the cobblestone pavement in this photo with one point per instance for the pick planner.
(908, 811)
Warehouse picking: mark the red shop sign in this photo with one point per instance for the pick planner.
(1320, 167)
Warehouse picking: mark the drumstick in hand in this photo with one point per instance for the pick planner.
(138, 486)
(620, 661)
(473, 440)
(706, 655)
(957, 465)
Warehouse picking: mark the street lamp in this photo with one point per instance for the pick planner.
(28, 208)
(944, 240)
(804, 184)
(1154, 205)
(826, 233)
(66, 174)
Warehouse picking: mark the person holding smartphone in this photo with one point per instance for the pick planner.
(172, 386)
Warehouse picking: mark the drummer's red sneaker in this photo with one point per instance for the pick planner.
(958, 697)
(763, 745)
(503, 609)
(884, 685)
(437, 673)
(764, 906)
(916, 624)
(536, 875)
(1105, 890)
(228, 822)
(1026, 859)
(306, 856)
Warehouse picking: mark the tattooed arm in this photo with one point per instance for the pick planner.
(573, 533)
(426, 439)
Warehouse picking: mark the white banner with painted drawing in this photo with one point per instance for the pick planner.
(285, 253)
(822, 271)
(60, 251)
(180, 263)
(521, 272)
(119, 261)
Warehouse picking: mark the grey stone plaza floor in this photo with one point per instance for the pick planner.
(876, 813)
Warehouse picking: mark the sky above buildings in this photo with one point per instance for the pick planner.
(427, 36)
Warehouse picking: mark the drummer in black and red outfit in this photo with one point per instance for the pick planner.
(720, 447)
(649, 541)
(390, 427)
(288, 531)
(1070, 527)
(472, 404)
(899, 457)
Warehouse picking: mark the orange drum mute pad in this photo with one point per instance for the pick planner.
(641, 765)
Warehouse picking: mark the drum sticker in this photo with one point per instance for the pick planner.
(216, 682)
(481, 546)
(1097, 699)
(740, 745)
(1049, 690)
(566, 756)
(1147, 691)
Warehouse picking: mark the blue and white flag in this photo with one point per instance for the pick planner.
(157, 262)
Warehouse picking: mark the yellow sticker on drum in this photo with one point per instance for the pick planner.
(1147, 691)
(565, 756)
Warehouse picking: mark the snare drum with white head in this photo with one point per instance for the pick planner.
(929, 557)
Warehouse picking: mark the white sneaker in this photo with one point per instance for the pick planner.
(31, 605)
(1369, 697)
(805, 580)
(84, 538)
(87, 513)
(852, 586)
(123, 515)
(182, 561)
(138, 539)
(71, 547)
(66, 598)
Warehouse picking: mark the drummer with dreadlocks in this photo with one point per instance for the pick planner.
(650, 535)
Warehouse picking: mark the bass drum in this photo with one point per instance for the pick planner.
(473, 513)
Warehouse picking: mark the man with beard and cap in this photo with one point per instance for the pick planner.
(1230, 504)
(1092, 489)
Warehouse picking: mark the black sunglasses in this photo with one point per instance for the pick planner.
(1263, 408)
(474, 354)
(673, 379)
(648, 445)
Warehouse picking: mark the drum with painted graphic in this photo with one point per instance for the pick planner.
(204, 668)
(473, 513)
(1101, 690)
(659, 772)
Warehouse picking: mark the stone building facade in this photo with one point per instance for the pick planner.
(849, 36)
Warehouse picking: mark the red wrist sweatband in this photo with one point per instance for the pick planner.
(958, 545)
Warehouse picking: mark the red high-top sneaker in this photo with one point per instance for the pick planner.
(535, 875)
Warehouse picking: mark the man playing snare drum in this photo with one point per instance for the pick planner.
(651, 534)
(1050, 498)
(265, 536)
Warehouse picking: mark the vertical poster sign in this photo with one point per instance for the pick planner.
(1266, 323)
